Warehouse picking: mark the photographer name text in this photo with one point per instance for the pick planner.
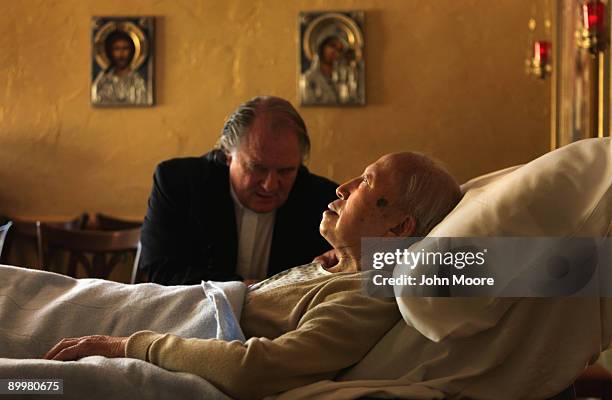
(455, 280)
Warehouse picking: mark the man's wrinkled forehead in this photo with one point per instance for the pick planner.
(389, 174)
(273, 122)
(266, 131)
(380, 171)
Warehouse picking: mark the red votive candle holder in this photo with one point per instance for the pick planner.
(593, 16)
(541, 51)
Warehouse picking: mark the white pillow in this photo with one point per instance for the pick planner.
(567, 192)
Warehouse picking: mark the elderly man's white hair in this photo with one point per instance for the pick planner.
(428, 191)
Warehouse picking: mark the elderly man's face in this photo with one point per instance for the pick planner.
(367, 205)
(264, 168)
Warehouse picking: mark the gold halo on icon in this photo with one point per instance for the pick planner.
(332, 24)
(141, 44)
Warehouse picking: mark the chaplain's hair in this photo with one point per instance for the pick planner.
(429, 192)
(237, 125)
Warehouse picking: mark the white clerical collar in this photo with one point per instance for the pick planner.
(254, 231)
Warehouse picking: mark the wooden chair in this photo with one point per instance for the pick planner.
(3, 231)
(107, 222)
(97, 251)
(27, 232)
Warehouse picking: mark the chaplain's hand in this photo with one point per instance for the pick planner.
(97, 345)
(327, 259)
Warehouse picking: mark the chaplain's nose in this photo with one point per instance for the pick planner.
(271, 181)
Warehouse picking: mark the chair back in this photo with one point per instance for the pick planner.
(98, 252)
(3, 231)
(26, 232)
(107, 223)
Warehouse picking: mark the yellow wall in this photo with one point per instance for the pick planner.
(444, 77)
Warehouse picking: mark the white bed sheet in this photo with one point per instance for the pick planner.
(37, 309)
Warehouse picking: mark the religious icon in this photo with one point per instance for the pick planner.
(331, 58)
(122, 63)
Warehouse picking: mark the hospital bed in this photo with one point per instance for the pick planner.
(506, 348)
(564, 193)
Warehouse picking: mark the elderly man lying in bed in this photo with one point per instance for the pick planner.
(305, 324)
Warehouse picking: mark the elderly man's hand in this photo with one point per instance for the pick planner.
(97, 345)
(327, 259)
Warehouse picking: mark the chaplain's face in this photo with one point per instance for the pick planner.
(366, 205)
(265, 165)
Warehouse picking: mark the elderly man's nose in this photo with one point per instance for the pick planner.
(342, 191)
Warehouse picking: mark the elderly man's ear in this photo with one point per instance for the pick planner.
(405, 228)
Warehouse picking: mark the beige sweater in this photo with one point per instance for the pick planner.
(299, 333)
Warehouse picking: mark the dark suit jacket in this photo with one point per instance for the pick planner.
(189, 233)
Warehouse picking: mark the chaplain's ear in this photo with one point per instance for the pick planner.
(228, 158)
(405, 228)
